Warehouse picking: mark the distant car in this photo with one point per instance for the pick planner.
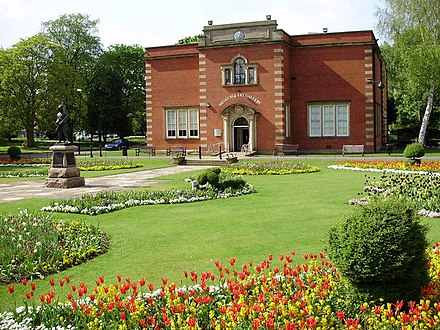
(117, 144)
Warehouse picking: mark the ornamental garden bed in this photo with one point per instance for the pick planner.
(418, 182)
(275, 293)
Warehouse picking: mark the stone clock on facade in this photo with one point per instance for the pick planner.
(239, 36)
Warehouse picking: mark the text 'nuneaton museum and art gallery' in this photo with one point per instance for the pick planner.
(253, 85)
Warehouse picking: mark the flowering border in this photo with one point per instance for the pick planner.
(364, 200)
(272, 294)
(105, 202)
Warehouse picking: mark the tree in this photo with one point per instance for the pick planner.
(78, 37)
(413, 27)
(118, 89)
(26, 71)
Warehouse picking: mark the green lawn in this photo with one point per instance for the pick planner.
(291, 212)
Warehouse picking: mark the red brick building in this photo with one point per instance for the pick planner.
(253, 84)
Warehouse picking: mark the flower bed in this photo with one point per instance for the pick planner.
(106, 164)
(410, 181)
(111, 201)
(83, 165)
(273, 294)
(394, 165)
(275, 167)
(25, 161)
(23, 174)
(37, 245)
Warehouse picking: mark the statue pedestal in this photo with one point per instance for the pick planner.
(64, 173)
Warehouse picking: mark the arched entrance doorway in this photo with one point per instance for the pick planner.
(240, 126)
(241, 133)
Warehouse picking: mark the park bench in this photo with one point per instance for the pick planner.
(353, 149)
(176, 149)
(286, 149)
(151, 150)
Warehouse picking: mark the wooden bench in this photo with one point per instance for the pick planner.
(353, 149)
(286, 149)
(144, 148)
(176, 149)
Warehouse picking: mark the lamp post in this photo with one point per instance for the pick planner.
(79, 90)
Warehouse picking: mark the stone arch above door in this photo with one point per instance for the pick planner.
(233, 112)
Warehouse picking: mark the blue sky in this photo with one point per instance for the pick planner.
(164, 22)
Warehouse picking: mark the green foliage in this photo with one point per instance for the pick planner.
(234, 183)
(14, 153)
(202, 179)
(414, 150)
(118, 83)
(412, 57)
(380, 249)
(27, 80)
(213, 179)
(190, 40)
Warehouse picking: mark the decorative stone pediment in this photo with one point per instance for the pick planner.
(240, 33)
(237, 110)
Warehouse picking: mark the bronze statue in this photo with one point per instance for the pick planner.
(61, 122)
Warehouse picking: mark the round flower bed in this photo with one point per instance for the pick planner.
(275, 167)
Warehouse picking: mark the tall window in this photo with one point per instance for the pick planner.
(182, 123)
(327, 120)
(239, 72)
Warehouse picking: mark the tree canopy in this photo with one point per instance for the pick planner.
(412, 54)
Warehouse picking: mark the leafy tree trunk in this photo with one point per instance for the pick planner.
(428, 110)
(30, 140)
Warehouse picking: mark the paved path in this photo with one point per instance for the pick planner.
(15, 191)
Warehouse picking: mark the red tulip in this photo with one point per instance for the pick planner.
(33, 286)
(24, 281)
(11, 288)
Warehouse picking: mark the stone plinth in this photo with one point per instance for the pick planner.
(64, 173)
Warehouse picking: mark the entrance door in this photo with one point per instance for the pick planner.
(241, 133)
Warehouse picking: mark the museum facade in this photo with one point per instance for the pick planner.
(252, 86)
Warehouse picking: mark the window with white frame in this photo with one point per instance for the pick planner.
(182, 123)
(239, 72)
(328, 120)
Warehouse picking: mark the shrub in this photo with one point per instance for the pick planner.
(210, 176)
(380, 249)
(14, 153)
(414, 151)
(213, 178)
(234, 183)
(202, 179)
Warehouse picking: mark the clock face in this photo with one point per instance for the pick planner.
(239, 36)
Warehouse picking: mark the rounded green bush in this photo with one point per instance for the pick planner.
(213, 178)
(414, 150)
(380, 249)
(14, 153)
(235, 183)
(202, 179)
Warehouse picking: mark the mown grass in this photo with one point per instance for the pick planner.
(291, 212)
